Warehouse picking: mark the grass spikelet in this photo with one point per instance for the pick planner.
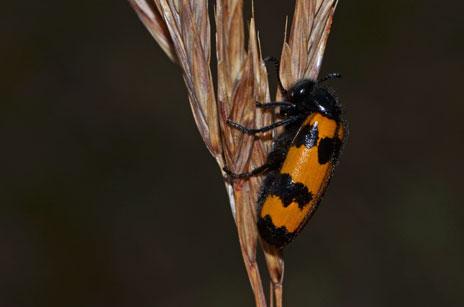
(182, 29)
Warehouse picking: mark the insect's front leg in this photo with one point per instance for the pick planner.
(274, 104)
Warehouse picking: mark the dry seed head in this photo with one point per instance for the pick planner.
(182, 29)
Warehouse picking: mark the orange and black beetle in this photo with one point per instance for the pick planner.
(302, 160)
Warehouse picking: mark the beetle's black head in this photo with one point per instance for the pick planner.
(309, 96)
(301, 91)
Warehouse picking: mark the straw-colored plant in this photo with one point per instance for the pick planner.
(182, 29)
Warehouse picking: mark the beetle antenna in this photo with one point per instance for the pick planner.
(331, 76)
(276, 63)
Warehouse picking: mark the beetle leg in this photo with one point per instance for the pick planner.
(246, 130)
(257, 171)
(274, 104)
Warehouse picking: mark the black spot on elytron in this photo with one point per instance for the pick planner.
(265, 186)
(326, 150)
(276, 236)
(289, 191)
(307, 136)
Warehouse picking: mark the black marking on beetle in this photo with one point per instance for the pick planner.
(326, 150)
(307, 136)
(265, 187)
(289, 191)
(277, 236)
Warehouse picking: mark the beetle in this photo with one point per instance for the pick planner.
(301, 163)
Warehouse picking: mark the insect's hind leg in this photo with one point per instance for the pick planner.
(274, 161)
(259, 170)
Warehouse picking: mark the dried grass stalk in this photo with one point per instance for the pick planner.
(182, 29)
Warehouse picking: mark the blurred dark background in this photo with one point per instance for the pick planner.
(109, 198)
